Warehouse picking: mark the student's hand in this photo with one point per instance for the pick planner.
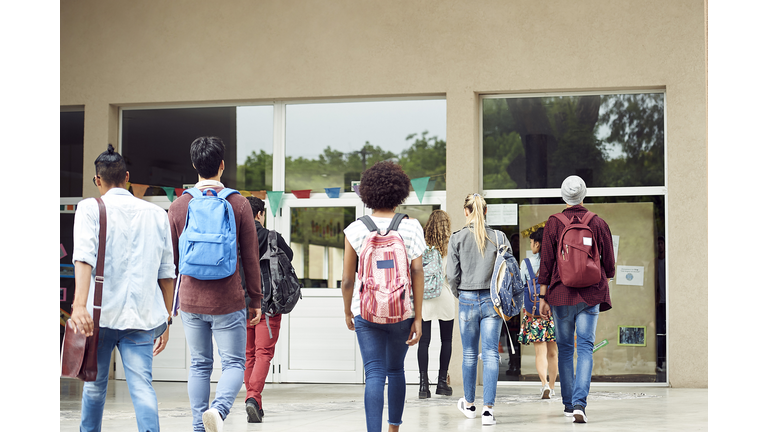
(415, 333)
(544, 309)
(350, 320)
(255, 314)
(82, 320)
(161, 342)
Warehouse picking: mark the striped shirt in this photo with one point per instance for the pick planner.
(410, 231)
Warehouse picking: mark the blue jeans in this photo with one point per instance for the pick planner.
(478, 320)
(581, 320)
(229, 332)
(136, 351)
(383, 349)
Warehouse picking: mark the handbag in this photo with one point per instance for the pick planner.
(79, 353)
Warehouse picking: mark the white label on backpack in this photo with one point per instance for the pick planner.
(587, 241)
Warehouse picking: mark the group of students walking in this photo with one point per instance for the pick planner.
(468, 259)
(383, 286)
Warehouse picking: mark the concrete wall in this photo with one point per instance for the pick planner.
(146, 52)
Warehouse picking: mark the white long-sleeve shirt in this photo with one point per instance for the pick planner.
(138, 253)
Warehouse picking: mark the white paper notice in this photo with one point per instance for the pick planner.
(630, 275)
(615, 248)
(501, 214)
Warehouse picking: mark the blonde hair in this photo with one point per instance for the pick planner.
(437, 232)
(476, 206)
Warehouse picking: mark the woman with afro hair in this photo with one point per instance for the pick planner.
(383, 347)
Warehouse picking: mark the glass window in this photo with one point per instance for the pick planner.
(637, 225)
(611, 140)
(71, 126)
(317, 241)
(331, 144)
(155, 144)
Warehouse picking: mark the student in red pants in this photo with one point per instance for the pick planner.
(262, 337)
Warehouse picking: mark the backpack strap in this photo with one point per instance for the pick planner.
(224, 193)
(396, 222)
(392, 225)
(369, 224)
(195, 192)
(532, 285)
(585, 218)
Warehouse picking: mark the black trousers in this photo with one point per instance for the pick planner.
(446, 344)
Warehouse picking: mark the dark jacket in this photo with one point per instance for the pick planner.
(262, 234)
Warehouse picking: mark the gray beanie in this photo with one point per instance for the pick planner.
(573, 190)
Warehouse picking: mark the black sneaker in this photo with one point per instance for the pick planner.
(579, 414)
(568, 412)
(253, 410)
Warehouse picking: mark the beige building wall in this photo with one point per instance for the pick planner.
(144, 52)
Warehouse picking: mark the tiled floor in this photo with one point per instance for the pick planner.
(339, 408)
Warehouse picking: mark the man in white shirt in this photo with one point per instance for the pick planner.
(137, 293)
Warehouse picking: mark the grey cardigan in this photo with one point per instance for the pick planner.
(466, 268)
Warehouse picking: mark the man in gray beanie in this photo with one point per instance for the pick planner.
(575, 309)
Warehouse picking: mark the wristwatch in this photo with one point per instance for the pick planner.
(541, 297)
(170, 320)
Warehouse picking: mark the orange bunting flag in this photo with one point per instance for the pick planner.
(139, 189)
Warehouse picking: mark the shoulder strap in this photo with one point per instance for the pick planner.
(369, 223)
(562, 218)
(195, 192)
(99, 285)
(396, 222)
(227, 192)
(587, 218)
(530, 270)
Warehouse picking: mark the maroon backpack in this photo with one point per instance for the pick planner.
(578, 258)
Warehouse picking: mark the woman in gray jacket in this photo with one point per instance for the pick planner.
(471, 256)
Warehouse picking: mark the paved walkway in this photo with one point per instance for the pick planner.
(339, 408)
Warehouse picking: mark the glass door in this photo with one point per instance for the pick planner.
(315, 344)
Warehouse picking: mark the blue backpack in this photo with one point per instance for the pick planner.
(506, 285)
(208, 244)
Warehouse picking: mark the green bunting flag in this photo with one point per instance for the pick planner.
(170, 192)
(274, 200)
(420, 186)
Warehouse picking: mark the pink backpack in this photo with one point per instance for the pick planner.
(385, 275)
(578, 258)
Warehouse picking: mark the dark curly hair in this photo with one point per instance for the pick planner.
(384, 186)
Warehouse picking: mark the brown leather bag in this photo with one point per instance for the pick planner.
(79, 353)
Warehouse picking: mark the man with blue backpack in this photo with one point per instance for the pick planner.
(212, 229)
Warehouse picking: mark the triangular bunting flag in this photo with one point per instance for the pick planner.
(262, 194)
(179, 191)
(274, 200)
(139, 189)
(169, 192)
(420, 186)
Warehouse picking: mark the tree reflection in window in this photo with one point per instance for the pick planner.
(612, 140)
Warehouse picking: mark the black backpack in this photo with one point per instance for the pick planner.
(281, 287)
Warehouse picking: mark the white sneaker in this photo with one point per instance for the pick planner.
(488, 418)
(545, 392)
(212, 421)
(579, 414)
(469, 411)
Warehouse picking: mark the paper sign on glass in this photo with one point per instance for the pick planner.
(630, 275)
(501, 214)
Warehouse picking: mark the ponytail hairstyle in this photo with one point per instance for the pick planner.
(476, 206)
(438, 231)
